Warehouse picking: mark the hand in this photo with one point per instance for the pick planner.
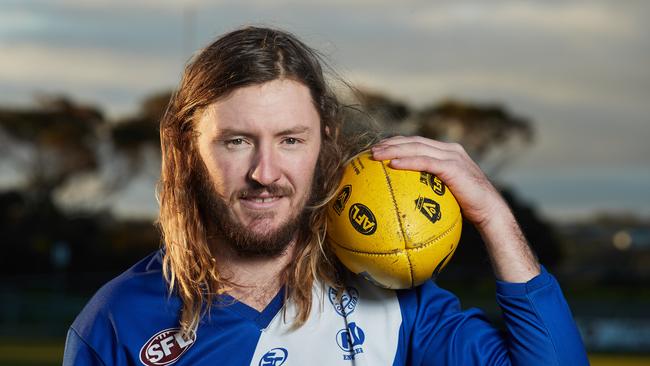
(481, 204)
(477, 197)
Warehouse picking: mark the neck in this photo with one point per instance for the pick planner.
(255, 281)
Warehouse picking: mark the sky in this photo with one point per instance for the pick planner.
(578, 69)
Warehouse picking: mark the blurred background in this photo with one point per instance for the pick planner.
(550, 97)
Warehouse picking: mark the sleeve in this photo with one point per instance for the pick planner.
(539, 328)
(77, 352)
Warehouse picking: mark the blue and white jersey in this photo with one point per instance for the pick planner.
(133, 321)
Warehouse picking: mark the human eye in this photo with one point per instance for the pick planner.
(292, 140)
(234, 143)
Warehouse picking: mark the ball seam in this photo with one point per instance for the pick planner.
(399, 219)
(439, 237)
(423, 246)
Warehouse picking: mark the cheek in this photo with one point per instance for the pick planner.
(305, 171)
(224, 176)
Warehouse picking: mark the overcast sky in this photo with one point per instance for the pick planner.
(580, 70)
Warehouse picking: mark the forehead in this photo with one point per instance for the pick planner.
(272, 106)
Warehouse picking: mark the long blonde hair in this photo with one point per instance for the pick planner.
(240, 58)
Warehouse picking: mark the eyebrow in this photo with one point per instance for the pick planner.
(237, 132)
(294, 131)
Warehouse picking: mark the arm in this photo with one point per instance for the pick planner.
(77, 351)
(481, 204)
(540, 327)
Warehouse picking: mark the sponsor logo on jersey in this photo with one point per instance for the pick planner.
(429, 208)
(165, 347)
(362, 219)
(342, 199)
(275, 357)
(350, 340)
(348, 302)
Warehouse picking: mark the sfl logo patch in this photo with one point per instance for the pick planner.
(164, 348)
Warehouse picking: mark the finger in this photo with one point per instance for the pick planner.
(388, 152)
(438, 167)
(396, 140)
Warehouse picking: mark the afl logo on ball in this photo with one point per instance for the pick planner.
(434, 182)
(429, 208)
(164, 347)
(362, 219)
(436, 185)
(342, 199)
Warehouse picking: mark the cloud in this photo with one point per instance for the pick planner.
(76, 67)
(116, 81)
(577, 68)
(421, 88)
(15, 21)
(591, 18)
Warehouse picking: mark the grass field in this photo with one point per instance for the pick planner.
(32, 353)
(619, 360)
(50, 352)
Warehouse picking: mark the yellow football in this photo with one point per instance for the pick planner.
(396, 228)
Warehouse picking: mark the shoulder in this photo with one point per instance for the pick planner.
(428, 295)
(136, 295)
(407, 319)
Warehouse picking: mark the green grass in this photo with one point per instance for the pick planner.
(619, 360)
(31, 353)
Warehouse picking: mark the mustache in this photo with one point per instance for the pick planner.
(271, 189)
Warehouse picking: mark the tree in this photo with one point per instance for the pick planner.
(50, 144)
(480, 128)
(134, 132)
(136, 140)
(382, 107)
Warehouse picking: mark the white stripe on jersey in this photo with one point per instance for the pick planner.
(367, 334)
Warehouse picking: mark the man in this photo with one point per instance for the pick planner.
(251, 151)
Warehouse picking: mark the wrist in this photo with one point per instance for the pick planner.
(511, 257)
(496, 219)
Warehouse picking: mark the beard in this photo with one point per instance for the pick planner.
(243, 240)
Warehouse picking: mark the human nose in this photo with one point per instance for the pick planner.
(265, 169)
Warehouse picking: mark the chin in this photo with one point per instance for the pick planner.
(264, 226)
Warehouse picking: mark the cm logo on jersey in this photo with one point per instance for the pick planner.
(350, 340)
